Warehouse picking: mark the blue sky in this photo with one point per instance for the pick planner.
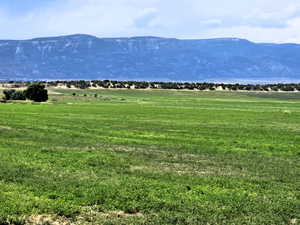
(256, 20)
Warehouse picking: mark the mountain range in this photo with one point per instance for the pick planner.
(87, 57)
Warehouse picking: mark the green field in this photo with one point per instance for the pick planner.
(151, 157)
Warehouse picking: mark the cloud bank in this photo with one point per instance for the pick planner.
(256, 20)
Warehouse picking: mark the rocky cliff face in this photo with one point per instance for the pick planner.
(148, 58)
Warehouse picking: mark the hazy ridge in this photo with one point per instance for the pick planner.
(148, 58)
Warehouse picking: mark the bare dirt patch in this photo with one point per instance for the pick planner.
(121, 214)
(47, 220)
(91, 215)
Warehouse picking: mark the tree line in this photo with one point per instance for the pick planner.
(35, 92)
(82, 84)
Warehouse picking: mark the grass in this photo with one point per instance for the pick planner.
(151, 157)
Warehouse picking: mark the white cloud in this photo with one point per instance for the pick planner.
(257, 20)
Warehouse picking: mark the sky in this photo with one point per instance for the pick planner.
(256, 20)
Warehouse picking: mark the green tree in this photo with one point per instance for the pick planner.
(19, 95)
(8, 94)
(14, 95)
(37, 92)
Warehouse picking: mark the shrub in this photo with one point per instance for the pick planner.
(8, 94)
(14, 95)
(19, 95)
(37, 92)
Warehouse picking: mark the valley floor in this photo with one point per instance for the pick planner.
(151, 157)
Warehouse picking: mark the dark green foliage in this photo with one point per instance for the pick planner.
(178, 85)
(81, 84)
(8, 94)
(12, 94)
(37, 92)
(19, 95)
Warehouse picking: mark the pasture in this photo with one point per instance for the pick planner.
(151, 157)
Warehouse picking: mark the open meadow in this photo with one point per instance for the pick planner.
(151, 157)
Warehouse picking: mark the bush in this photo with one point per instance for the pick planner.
(14, 95)
(19, 95)
(37, 92)
(8, 94)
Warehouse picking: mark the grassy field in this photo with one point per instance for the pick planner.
(151, 157)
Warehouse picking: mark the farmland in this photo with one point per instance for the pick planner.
(151, 157)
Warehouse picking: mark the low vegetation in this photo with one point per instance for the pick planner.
(11, 94)
(81, 84)
(35, 92)
(151, 157)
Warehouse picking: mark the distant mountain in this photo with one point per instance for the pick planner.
(148, 58)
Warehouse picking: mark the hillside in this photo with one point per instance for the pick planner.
(148, 58)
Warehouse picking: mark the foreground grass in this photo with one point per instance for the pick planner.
(151, 157)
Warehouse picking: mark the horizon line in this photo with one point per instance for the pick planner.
(150, 36)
